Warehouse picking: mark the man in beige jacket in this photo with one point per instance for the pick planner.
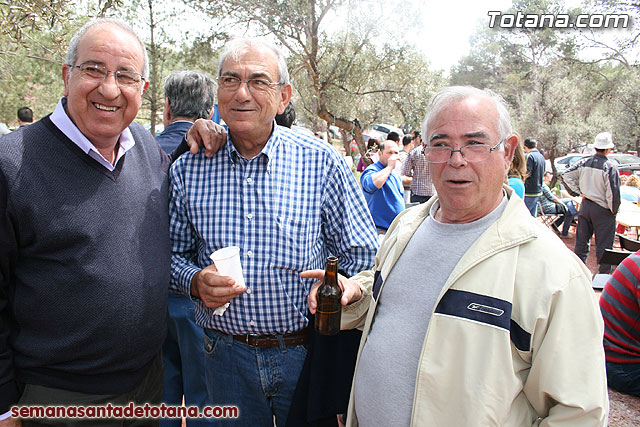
(474, 314)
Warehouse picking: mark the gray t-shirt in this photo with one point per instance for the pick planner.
(386, 377)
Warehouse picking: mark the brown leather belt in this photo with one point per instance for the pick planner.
(269, 341)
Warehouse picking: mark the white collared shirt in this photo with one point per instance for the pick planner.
(62, 121)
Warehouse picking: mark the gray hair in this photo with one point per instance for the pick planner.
(190, 94)
(72, 51)
(448, 95)
(237, 47)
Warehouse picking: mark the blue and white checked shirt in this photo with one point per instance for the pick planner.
(287, 209)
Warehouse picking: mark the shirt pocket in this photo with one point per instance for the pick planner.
(292, 242)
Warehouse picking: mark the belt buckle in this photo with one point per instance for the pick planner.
(248, 337)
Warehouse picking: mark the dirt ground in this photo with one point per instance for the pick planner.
(624, 409)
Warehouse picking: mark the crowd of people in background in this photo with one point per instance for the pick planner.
(108, 294)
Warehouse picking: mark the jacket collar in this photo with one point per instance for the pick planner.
(514, 227)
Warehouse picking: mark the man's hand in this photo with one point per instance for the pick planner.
(391, 162)
(208, 134)
(11, 422)
(213, 289)
(351, 291)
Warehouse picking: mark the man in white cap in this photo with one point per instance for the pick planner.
(597, 180)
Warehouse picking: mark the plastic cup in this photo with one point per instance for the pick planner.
(227, 261)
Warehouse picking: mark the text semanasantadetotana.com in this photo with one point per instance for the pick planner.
(129, 411)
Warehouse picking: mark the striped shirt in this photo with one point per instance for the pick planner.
(620, 307)
(416, 166)
(288, 208)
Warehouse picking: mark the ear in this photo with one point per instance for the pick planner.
(66, 75)
(144, 88)
(510, 145)
(285, 97)
(166, 113)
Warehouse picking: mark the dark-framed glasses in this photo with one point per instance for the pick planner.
(254, 85)
(99, 73)
(471, 152)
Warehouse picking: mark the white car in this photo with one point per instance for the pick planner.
(564, 162)
(386, 129)
(625, 161)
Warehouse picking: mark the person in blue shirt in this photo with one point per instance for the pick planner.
(518, 171)
(382, 187)
(287, 202)
(630, 191)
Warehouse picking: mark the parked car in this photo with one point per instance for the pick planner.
(565, 161)
(334, 132)
(385, 129)
(627, 163)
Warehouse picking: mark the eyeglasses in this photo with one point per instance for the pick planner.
(471, 152)
(98, 73)
(254, 85)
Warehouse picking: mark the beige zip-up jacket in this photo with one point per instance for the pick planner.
(516, 335)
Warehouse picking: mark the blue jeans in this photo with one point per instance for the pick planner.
(259, 381)
(532, 204)
(183, 360)
(624, 377)
(566, 217)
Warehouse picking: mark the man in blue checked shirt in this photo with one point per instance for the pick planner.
(288, 202)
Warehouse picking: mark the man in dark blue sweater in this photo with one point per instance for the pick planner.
(84, 252)
(535, 172)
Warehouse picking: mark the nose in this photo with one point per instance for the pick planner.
(457, 159)
(109, 87)
(243, 92)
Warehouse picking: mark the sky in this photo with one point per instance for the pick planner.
(457, 21)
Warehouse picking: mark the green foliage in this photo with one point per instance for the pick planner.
(346, 77)
(343, 68)
(32, 47)
(556, 96)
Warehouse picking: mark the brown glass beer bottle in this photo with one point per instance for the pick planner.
(329, 310)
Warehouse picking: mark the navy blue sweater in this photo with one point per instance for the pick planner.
(84, 263)
(535, 169)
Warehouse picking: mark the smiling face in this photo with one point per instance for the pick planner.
(250, 115)
(468, 191)
(102, 110)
